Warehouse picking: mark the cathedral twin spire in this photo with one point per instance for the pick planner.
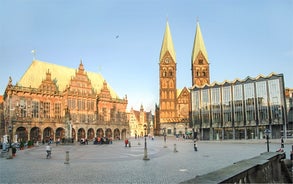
(167, 45)
(199, 57)
(198, 45)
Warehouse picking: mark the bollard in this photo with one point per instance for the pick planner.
(67, 158)
(291, 154)
(175, 150)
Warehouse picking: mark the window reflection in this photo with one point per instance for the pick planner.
(262, 102)
(238, 105)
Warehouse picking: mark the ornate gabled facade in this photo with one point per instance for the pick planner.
(137, 121)
(42, 109)
(173, 112)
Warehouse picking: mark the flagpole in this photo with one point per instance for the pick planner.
(34, 54)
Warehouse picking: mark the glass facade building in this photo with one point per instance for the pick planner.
(241, 109)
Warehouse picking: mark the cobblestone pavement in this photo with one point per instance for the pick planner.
(115, 163)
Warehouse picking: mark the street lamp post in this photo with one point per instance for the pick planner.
(10, 129)
(267, 133)
(165, 137)
(145, 157)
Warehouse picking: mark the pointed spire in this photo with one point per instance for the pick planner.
(81, 68)
(48, 75)
(198, 44)
(167, 44)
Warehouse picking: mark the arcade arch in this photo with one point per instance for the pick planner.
(22, 134)
(48, 134)
(35, 134)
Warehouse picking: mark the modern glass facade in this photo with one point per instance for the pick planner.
(241, 109)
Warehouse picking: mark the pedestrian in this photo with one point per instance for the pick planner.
(282, 142)
(195, 145)
(126, 142)
(291, 154)
(48, 150)
(58, 141)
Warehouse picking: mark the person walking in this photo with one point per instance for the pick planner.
(282, 142)
(48, 150)
(195, 145)
(126, 142)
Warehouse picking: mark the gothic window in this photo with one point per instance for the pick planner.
(88, 105)
(79, 104)
(171, 84)
(46, 109)
(200, 61)
(23, 109)
(35, 109)
(168, 105)
(104, 114)
(57, 110)
(83, 105)
(164, 72)
(164, 84)
(163, 105)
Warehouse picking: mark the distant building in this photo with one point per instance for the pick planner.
(56, 102)
(2, 122)
(174, 110)
(242, 109)
(137, 121)
(289, 102)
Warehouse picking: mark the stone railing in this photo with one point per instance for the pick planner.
(269, 167)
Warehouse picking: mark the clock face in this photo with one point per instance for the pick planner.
(167, 60)
(184, 111)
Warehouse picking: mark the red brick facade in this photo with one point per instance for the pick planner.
(38, 113)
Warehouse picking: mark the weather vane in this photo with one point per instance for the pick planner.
(34, 54)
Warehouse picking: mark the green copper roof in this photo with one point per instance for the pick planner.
(198, 44)
(167, 44)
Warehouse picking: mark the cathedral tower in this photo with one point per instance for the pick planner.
(167, 79)
(199, 60)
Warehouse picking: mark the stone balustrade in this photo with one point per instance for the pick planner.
(269, 167)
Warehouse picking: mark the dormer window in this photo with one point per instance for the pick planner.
(200, 61)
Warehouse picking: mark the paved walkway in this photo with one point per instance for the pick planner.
(115, 163)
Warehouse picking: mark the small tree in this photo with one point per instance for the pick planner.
(30, 143)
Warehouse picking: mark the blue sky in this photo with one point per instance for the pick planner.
(242, 38)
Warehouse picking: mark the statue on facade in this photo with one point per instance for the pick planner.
(68, 126)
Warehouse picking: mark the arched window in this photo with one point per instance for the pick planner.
(171, 84)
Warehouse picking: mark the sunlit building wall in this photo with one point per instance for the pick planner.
(50, 101)
(241, 109)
